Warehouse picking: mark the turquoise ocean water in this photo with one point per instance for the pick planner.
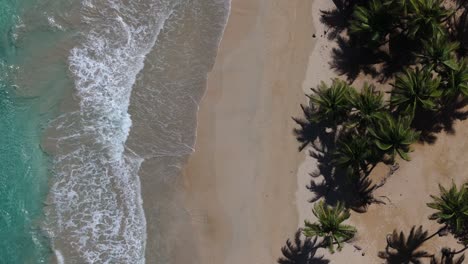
(28, 96)
(89, 90)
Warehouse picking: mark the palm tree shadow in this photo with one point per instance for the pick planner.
(447, 258)
(431, 123)
(351, 58)
(402, 249)
(337, 19)
(301, 251)
(335, 187)
(459, 31)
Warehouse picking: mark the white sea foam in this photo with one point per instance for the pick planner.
(96, 191)
(59, 257)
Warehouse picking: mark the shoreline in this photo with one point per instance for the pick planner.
(240, 192)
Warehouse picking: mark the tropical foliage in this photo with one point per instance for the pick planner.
(416, 90)
(394, 136)
(425, 18)
(439, 52)
(353, 154)
(368, 106)
(372, 22)
(451, 208)
(330, 225)
(330, 104)
(456, 80)
(418, 47)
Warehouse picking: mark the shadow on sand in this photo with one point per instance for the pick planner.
(351, 57)
(301, 251)
(335, 186)
(432, 123)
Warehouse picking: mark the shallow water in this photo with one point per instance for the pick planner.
(89, 91)
(97, 213)
(28, 98)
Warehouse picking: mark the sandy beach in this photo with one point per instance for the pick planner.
(246, 182)
(405, 193)
(241, 179)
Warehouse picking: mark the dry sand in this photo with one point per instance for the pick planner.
(241, 179)
(407, 190)
(245, 183)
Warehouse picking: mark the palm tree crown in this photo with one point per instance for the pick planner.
(439, 52)
(425, 18)
(331, 104)
(415, 89)
(372, 22)
(353, 154)
(457, 80)
(394, 136)
(369, 106)
(329, 225)
(452, 208)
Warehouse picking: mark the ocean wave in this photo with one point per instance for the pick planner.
(97, 209)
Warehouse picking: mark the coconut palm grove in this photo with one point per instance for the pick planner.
(415, 51)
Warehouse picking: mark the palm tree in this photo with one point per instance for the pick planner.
(331, 105)
(400, 6)
(372, 22)
(452, 208)
(456, 81)
(368, 106)
(354, 154)
(425, 18)
(394, 136)
(329, 225)
(439, 52)
(402, 250)
(301, 252)
(415, 90)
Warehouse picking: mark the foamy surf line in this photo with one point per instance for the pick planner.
(98, 215)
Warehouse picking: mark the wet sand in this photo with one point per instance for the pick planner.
(240, 182)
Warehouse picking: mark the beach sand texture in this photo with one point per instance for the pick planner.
(241, 179)
(245, 184)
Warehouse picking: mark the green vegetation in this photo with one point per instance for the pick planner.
(452, 210)
(330, 226)
(330, 104)
(452, 213)
(394, 136)
(416, 49)
(416, 90)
